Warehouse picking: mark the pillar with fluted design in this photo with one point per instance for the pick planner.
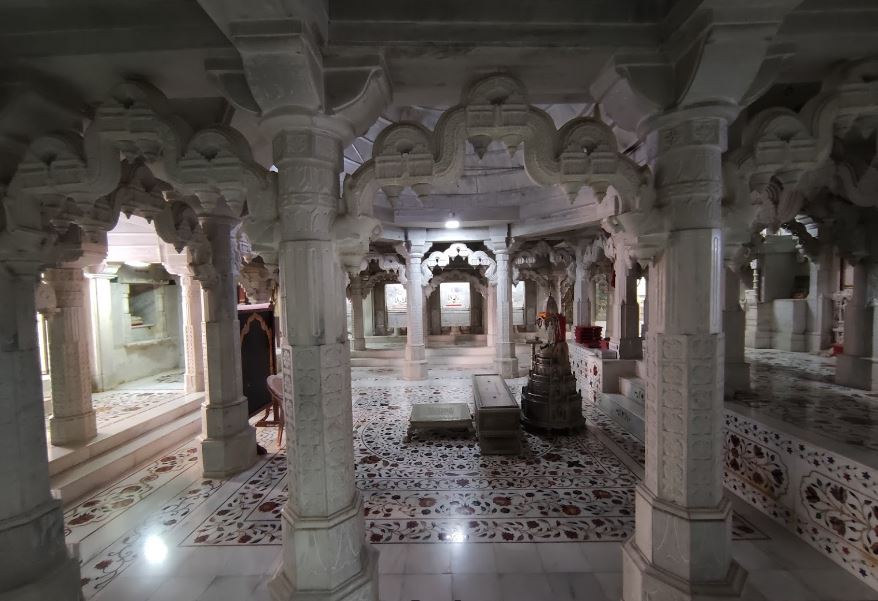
(193, 335)
(324, 555)
(228, 441)
(415, 366)
(505, 360)
(681, 547)
(73, 418)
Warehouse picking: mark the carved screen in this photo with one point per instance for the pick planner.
(396, 305)
(518, 304)
(454, 303)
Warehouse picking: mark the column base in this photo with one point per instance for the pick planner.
(227, 456)
(642, 580)
(66, 431)
(507, 367)
(32, 547)
(737, 378)
(415, 370)
(318, 552)
(680, 553)
(818, 342)
(358, 344)
(856, 372)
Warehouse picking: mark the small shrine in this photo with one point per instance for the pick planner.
(549, 400)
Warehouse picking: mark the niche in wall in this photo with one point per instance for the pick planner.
(142, 304)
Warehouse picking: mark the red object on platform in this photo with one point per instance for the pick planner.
(589, 336)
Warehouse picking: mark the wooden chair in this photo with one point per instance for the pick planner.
(276, 390)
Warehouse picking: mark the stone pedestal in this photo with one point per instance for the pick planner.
(505, 360)
(73, 419)
(228, 441)
(737, 374)
(358, 341)
(788, 321)
(681, 549)
(819, 333)
(36, 563)
(854, 366)
(415, 367)
(324, 556)
(193, 334)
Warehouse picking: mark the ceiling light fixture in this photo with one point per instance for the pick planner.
(452, 222)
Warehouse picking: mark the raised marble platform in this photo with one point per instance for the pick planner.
(498, 417)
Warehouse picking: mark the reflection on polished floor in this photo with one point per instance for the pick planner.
(450, 523)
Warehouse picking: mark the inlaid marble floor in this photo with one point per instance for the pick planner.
(163, 532)
(135, 397)
(797, 388)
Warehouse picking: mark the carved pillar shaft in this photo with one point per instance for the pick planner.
(228, 441)
(626, 312)
(36, 562)
(506, 362)
(737, 370)
(193, 334)
(73, 419)
(491, 325)
(854, 367)
(681, 548)
(820, 302)
(324, 553)
(415, 367)
(582, 295)
(359, 337)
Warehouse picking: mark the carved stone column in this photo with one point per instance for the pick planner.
(681, 548)
(73, 418)
(193, 334)
(36, 563)
(505, 360)
(359, 337)
(228, 441)
(625, 340)
(583, 294)
(737, 375)
(324, 554)
(854, 367)
(415, 367)
(491, 321)
(820, 301)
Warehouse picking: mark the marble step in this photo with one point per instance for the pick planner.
(627, 412)
(85, 477)
(633, 388)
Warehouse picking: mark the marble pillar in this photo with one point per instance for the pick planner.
(491, 320)
(854, 365)
(505, 360)
(324, 554)
(625, 339)
(228, 441)
(415, 367)
(35, 563)
(193, 334)
(681, 548)
(737, 374)
(583, 295)
(73, 418)
(819, 332)
(358, 342)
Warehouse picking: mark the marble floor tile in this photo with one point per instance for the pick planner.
(611, 584)
(130, 588)
(428, 559)
(476, 587)
(563, 557)
(779, 585)
(576, 587)
(426, 587)
(521, 558)
(231, 588)
(473, 558)
(182, 588)
(526, 587)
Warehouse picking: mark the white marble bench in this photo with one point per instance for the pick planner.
(498, 418)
